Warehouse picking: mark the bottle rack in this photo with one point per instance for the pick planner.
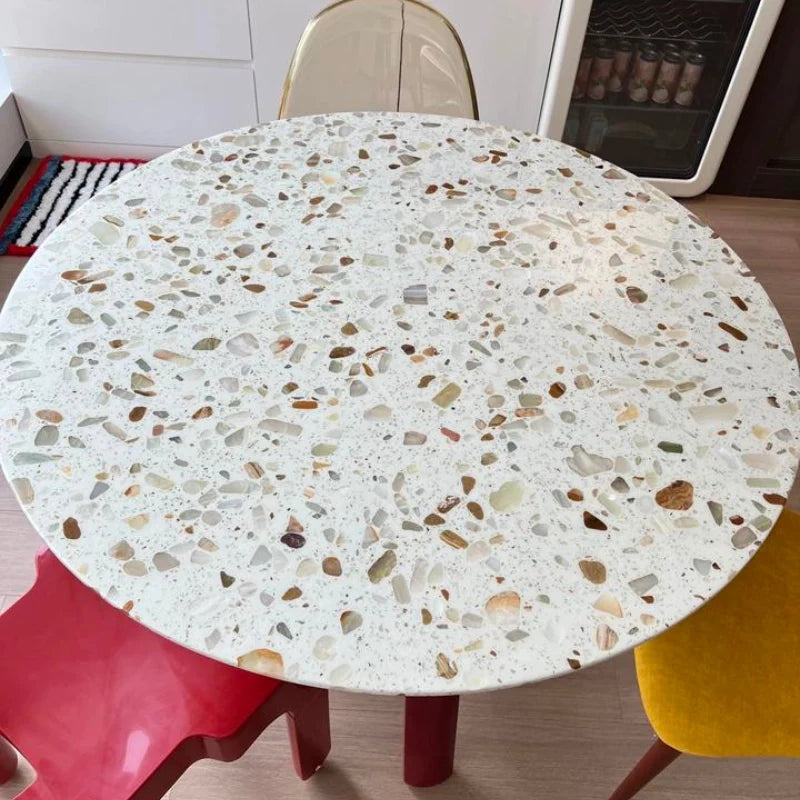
(664, 20)
(620, 102)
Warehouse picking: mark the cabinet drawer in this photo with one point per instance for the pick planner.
(114, 100)
(188, 28)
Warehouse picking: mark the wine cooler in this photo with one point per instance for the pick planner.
(655, 86)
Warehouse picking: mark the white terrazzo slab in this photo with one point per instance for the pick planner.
(396, 403)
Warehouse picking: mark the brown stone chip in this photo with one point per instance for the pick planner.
(71, 528)
(294, 525)
(332, 566)
(447, 395)
(593, 571)
(453, 539)
(74, 274)
(735, 332)
(775, 499)
(591, 521)
(254, 470)
(678, 496)
(445, 668)
(266, 662)
(48, 415)
(635, 294)
(450, 502)
(350, 620)
(382, 566)
(209, 343)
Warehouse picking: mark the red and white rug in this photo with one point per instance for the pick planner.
(59, 186)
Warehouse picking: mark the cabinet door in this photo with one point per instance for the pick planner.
(188, 28)
(508, 44)
(114, 100)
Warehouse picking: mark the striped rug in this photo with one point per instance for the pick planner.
(60, 185)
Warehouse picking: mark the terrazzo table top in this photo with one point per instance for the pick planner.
(396, 403)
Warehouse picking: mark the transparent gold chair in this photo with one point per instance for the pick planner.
(379, 55)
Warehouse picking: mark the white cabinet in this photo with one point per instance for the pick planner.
(121, 78)
(126, 102)
(177, 28)
(115, 77)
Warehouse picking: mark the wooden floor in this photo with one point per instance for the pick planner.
(566, 739)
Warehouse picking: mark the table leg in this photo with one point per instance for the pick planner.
(8, 761)
(430, 739)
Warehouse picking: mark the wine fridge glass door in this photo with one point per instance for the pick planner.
(651, 78)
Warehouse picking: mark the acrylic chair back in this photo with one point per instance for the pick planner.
(379, 55)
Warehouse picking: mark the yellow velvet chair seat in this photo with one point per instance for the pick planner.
(726, 681)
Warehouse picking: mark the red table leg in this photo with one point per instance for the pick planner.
(310, 734)
(430, 739)
(8, 761)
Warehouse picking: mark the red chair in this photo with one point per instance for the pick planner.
(105, 709)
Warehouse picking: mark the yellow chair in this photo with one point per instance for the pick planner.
(379, 55)
(724, 682)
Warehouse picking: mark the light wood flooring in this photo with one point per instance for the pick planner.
(566, 739)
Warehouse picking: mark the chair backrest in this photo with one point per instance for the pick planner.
(379, 55)
(95, 701)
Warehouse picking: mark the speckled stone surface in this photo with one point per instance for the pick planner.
(396, 403)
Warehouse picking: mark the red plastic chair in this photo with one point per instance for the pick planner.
(104, 709)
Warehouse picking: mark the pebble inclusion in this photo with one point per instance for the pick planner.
(396, 403)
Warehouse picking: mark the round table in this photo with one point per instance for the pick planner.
(396, 403)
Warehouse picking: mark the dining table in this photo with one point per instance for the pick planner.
(396, 404)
